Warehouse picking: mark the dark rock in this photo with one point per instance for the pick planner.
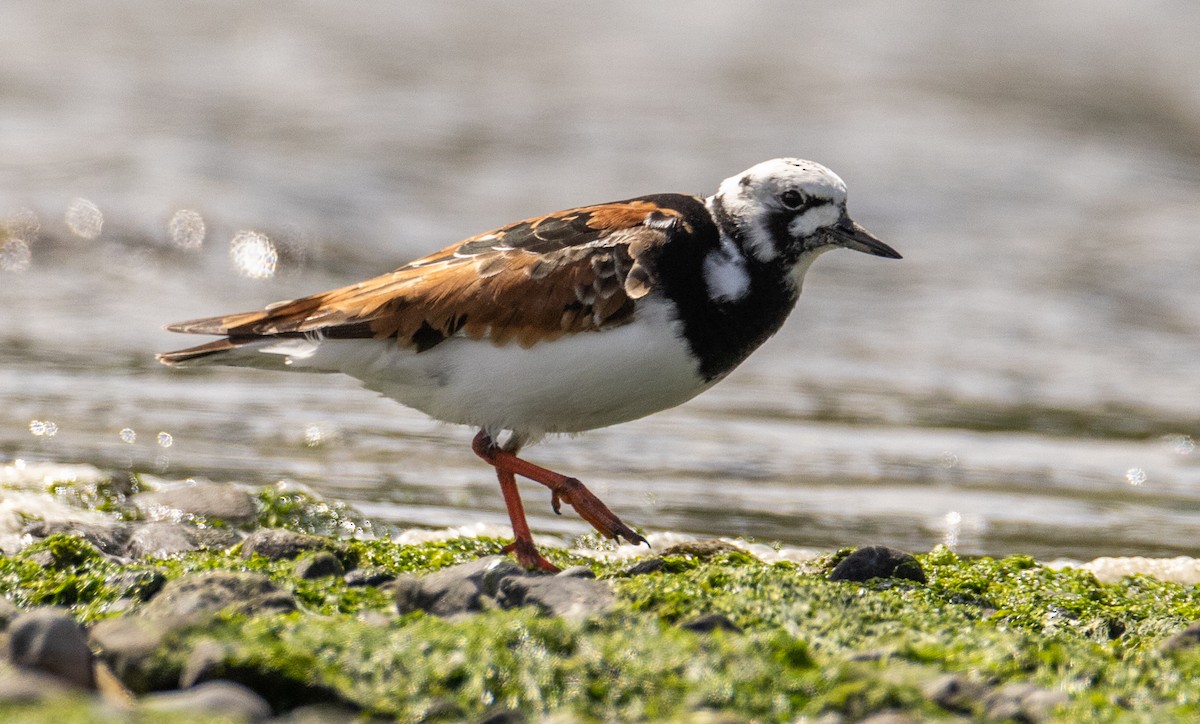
(108, 538)
(1185, 639)
(648, 565)
(203, 594)
(878, 562)
(319, 565)
(368, 577)
(1021, 701)
(7, 612)
(702, 549)
(954, 692)
(49, 640)
(573, 598)
(218, 698)
(210, 501)
(711, 622)
(321, 714)
(279, 544)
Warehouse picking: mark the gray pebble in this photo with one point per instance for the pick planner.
(127, 644)
(204, 662)
(577, 572)
(1185, 639)
(877, 562)
(649, 565)
(221, 698)
(955, 692)
(572, 598)
(108, 538)
(49, 640)
(26, 686)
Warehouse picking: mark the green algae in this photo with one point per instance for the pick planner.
(807, 646)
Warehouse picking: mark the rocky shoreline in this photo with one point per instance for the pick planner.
(214, 602)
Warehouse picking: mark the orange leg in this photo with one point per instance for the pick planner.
(562, 488)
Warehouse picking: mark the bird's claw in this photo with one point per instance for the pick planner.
(595, 512)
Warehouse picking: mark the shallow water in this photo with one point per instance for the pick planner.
(1024, 380)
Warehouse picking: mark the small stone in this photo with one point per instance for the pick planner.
(224, 698)
(648, 565)
(571, 598)
(504, 716)
(710, 622)
(321, 714)
(878, 562)
(319, 565)
(138, 585)
(279, 544)
(889, 717)
(368, 577)
(211, 501)
(49, 640)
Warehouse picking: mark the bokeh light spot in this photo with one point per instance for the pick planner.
(165, 439)
(43, 428)
(1135, 476)
(128, 436)
(186, 229)
(253, 255)
(84, 218)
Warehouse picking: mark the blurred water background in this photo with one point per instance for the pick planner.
(1025, 380)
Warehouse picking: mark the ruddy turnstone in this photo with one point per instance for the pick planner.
(565, 322)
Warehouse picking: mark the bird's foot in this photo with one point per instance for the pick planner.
(528, 557)
(593, 510)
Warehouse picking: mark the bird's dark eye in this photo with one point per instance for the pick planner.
(792, 198)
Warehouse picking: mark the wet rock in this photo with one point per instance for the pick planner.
(572, 598)
(1185, 639)
(954, 692)
(218, 698)
(211, 501)
(368, 577)
(109, 538)
(48, 640)
(278, 544)
(321, 714)
(878, 562)
(496, 581)
(1022, 702)
(163, 539)
(710, 622)
(319, 565)
(648, 565)
(138, 585)
(198, 595)
(504, 716)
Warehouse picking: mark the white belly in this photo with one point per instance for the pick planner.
(576, 383)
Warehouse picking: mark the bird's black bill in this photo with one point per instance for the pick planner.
(849, 234)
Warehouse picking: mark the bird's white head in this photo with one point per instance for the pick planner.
(786, 207)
